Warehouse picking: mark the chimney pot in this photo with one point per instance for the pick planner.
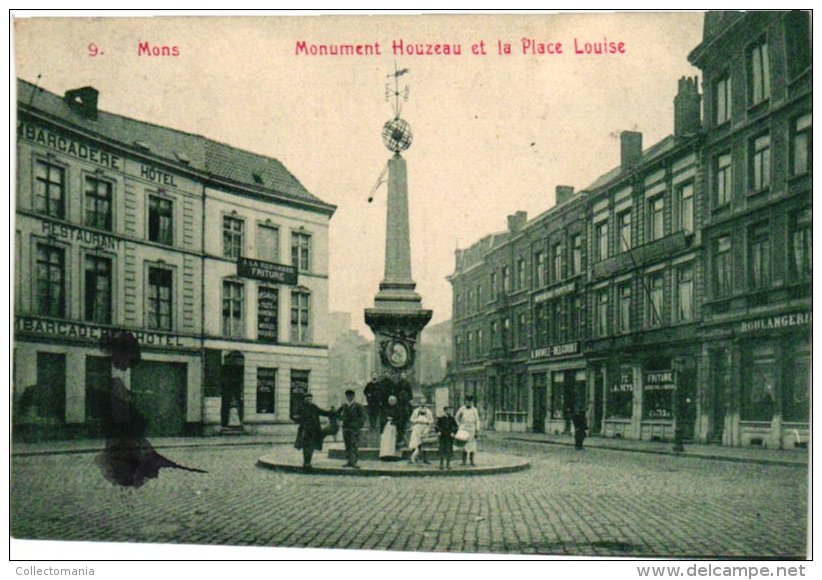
(630, 149)
(564, 193)
(517, 221)
(687, 107)
(83, 100)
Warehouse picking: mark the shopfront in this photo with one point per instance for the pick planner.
(760, 379)
(559, 387)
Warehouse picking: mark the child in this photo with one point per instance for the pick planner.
(446, 427)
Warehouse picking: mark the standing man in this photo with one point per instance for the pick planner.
(374, 397)
(353, 419)
(310, 433)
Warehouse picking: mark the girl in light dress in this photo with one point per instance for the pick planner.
(421, 421)
(468, 420)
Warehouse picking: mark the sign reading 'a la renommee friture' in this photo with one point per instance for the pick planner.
(268, 271)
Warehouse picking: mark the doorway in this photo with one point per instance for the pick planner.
(540, 398)
(233, 374)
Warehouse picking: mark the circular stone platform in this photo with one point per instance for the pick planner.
(286, 458)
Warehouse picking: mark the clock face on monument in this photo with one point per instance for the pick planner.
(397, 354)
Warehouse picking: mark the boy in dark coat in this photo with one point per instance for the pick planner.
(446, 428)
(310, 434)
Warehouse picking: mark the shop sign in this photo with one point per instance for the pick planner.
(776, 322)
(267, 315)
(268, 271)
(658, 397)
(75, 234)
(94, 332)
(556, 292)
(68, 146)
(625, 384)
(556, 350)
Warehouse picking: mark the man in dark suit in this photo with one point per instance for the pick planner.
(353, 419)
(375, 397)
(310, 433)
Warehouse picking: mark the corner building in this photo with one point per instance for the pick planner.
(757, 172)
(109, 228)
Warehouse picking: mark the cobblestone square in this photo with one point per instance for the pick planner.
(597, 502)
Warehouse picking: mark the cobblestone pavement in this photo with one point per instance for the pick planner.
(595, 502)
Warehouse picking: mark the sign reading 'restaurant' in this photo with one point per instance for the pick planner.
(268, 271)
(68, 146)
(75, 234)
(774, 322)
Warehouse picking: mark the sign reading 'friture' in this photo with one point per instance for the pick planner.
(268, 271)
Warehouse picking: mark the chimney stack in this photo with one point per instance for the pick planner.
(687, 107)
(517, 221)
(83, 101)
(630, 149)
(564, 193)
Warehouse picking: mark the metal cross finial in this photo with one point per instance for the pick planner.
(396, 93)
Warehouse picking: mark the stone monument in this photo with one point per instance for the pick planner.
(397, 316)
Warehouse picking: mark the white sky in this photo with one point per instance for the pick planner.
(492, 134)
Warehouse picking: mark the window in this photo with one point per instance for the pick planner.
(759, 74)
(798, 36)
(458, 304)
(300, 312)
(801, 245)
(49, 189)
(722, 99)
(557, 322)
(300, 385)
(557, 262)
(576, 258)
(759, 384)
(520, 274)
(469, 346)
(51, 269)
(722, 266)
(160, 222)
(479, 297)
(268, 244)
(159, 298)
(797, 385)
(685, 207)
(480, 350)
(301, 251)
(522, 330)
(722, 179)
(267, 314)
(576, 318)
(601, 313)
(685, 293)
(459, 348)
(802, 145)
(98, 203)
(656, 218)
(624, 220)
(759, 256)
(653, 315)
(266, 388)
(624, 312)
(233, 231)
(506, 280)
(539, 274)
(760, 164)
(233, 309)
(470, 301)
(601, 237)
(98, 289)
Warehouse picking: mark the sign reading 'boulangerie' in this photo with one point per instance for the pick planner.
(268, 271)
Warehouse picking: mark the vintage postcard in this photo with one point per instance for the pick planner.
(533, 284)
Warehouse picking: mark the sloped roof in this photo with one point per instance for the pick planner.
(654, 151)
(265, 175)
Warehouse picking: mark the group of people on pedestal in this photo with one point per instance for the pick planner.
(389, 411)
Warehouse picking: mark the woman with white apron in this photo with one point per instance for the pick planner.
(388, 440)
(468, 420)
